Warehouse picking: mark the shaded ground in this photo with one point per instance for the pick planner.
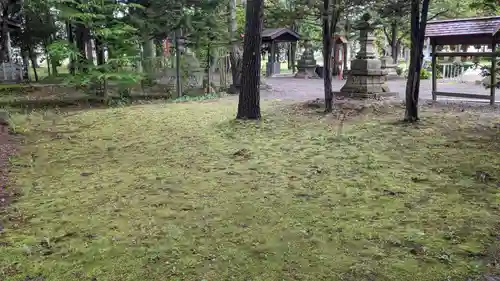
(7, 149)
(184, 192)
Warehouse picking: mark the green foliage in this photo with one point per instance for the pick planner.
(399, 70)
(424, 74)
(487, 7)
(486, 72)
(61, 49)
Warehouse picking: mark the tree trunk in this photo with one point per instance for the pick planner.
(418, 24)
(394, 42)
(33, 57)
(398, 52)
(49, 69)
(99, 46)
(347, 52)
(327, 54)
(80, 38)
(33, 62)
(47, 58)
(71, 41)
(90, 49)
(3, 41)
(235, 56)
(289, 56)
(148, 51)
(249, 99)
(26, 63)
(53, 62)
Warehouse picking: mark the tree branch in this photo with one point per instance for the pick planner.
(438, 14)
(387, 34)
(429, 19)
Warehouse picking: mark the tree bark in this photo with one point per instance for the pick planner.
(418, 24)
(398, 52)
(394, 46)
(33, 62)
(249, 99)
(33, 57)
(148, 53)
(235, 56)
(82, 34)
(71, 41)
(392, 39)
(327, 52)
(90, 49)
(4, 56)
(99, 46)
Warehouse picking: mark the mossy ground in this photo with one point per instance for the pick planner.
(184, 192)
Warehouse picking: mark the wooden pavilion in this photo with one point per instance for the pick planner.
(470, 31)
(272, 37)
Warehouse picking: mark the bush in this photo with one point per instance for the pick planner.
(424, 74)
(399, 70)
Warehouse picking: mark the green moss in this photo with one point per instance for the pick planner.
(184, 192)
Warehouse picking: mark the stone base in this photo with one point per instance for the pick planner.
(272, 68)
(364, 95)
(234, 89)
(307, 73)
(393, 76)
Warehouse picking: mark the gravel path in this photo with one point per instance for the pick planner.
(289, 88)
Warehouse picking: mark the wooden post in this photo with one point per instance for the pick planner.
(434, 70)
(493, 72)
(277, 59)
(272, 58)
(344, 60)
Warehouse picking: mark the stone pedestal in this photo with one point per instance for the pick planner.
(272, 68)
(366, 78)
(389, 67)
(306, 66)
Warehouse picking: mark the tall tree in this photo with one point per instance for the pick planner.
(327, 54)
(418, 24)
(10, 16)
(331, 16)
(249, 99)
(234, 51)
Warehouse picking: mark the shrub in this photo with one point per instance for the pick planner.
(424, 74)
(399, 70)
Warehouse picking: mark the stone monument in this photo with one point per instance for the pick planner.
(389, 67)
(306, 66)
(366, 78)
(194, 70)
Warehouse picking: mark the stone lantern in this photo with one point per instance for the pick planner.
(366, 78)
(306, 65)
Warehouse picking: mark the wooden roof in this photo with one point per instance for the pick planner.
(279, 34)
(468, 31)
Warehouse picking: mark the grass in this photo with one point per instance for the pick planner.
(184, 192)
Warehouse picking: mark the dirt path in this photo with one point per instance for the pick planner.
(289, 88)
